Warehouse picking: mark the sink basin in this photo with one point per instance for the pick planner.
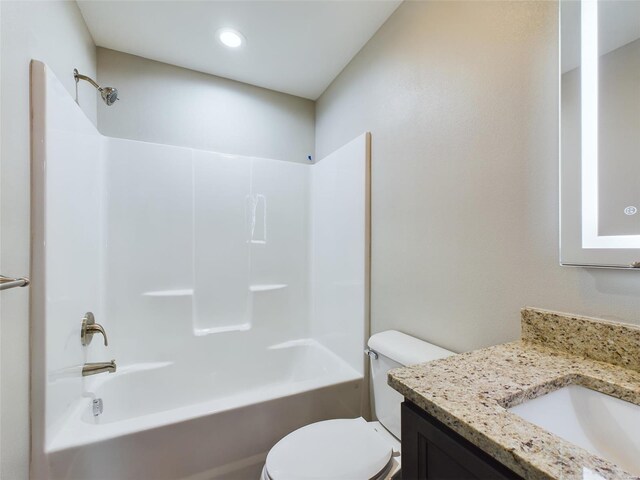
(603, 425)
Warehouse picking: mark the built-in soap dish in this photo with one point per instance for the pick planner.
(186, 292)
(267, 287)
(240, 327)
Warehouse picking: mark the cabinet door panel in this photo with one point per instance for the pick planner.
(432, 451)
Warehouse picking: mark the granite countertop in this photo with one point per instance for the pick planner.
(470, 392)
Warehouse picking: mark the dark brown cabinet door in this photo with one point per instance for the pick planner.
(432, 451)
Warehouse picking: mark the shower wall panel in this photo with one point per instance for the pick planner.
(67, 259)
(200, 244)
(279, 275)
(221, 248)
(340, 250)
(149, 242)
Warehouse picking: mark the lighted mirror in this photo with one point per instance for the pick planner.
(600, 133)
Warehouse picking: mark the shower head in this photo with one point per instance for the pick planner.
(108, 94)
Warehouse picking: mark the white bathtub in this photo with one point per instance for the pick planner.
(168, 421)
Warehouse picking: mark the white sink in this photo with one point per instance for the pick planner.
(601, 424)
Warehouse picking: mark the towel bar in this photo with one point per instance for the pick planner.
(7, 283)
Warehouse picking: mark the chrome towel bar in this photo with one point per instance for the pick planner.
(7, 283)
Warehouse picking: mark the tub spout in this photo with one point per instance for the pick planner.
(99, 367)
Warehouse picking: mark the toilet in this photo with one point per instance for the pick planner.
(354, 449)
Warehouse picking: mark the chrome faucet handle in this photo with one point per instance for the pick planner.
(97, 328)
(89, 327)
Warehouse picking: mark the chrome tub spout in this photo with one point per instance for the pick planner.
(99, 367)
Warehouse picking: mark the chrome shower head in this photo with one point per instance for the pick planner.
(108, 94)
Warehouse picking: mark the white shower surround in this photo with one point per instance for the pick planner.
(229, 330)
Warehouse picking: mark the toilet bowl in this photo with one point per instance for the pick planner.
(338, 449)
(354, 449)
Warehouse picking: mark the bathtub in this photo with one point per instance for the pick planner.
(168, 421)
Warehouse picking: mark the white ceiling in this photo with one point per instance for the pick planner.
(296, 47)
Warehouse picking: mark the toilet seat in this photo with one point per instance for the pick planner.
(333, 449)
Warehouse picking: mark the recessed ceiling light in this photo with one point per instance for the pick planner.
(230, 38)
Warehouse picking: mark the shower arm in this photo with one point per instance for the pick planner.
(79, 76)
(109, 94)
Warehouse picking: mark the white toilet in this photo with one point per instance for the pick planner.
(354, 449)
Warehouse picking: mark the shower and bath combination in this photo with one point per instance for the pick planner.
(108, 94)
(254, 268)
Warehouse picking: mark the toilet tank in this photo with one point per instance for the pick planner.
(395, 349)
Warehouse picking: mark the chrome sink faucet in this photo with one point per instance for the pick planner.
(98, 367)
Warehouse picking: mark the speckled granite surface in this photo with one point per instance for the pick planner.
(470, 393)
(616, 343)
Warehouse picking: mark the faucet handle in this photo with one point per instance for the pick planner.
(97, 328)
(89, 327)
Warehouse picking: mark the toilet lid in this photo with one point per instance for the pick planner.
(333, 449)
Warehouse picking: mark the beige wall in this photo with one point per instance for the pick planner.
(461, 99)
(55, 33)
(167, 104)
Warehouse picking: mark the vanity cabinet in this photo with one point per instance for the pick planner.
(431, 450)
